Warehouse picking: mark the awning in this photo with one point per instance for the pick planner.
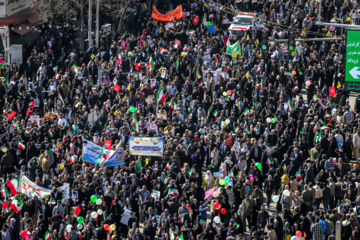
(16, 18)
(35, 19)
(23, 28)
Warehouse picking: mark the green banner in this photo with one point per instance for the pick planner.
(233, 50)
(352, 69)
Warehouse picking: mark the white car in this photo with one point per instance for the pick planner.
(243, 21)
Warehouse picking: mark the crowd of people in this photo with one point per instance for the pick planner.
(256, 146)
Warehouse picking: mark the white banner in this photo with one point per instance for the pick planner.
(31, 189)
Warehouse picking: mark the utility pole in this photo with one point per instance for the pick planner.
(97, 22)
(90, 24)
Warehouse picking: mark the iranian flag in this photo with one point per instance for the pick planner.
(177, 43)
(318, 137)
(2, 64)
(168, 165)
(74, 68)
(231, 174)
(284, 167)
(162, 50)
(237, 129)
(16, 126)
(47, 236)
(291, 105)
(158, 230)
(102, 157)
(248, 130)
(216, 114)
(297, 175)
(339, 74)
(221, 8)
(119, 59)
(62, 100)
(246, 113)
(17, 204)
(257, 85)
(52, 202)
(324, 128)
(258, 70)
(13, 185)
(321, 121)
(315, 98)
(57, 76)
(281, 94)
(173, 192)
(55, 69)
(21, 145)
(269, 161)
(50, 133)
(72, 159)
(151, 64)
(5, 193)
(160, 96)
(135, 125)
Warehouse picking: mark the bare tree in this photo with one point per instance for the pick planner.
(53, 9)
(119, 11)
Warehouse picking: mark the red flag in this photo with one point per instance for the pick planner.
(137, 66)
(11, 115)
(107, 144)
(141, 41)
(117, 88)
(332, 91)
(123, 45)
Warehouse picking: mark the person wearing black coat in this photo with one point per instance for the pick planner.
(116, 210)
(102, 233)
(149, 231)
(332, 147)
(269, 187)
(262, 218)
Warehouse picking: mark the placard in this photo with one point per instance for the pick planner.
(151, 126)
(225, 21)
(37, 102)
(34, 118)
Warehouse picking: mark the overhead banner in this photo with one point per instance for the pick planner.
(146, 146)
(177, 13)
(31, 189)
(98, 155)
(352, 57)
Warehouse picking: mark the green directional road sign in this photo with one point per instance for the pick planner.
(352, 69)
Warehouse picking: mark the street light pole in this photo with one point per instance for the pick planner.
(90, 24)
(97, 23)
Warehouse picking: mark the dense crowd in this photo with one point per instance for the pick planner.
(238, 133)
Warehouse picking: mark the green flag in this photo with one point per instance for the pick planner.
(6, 80)
(138, 166)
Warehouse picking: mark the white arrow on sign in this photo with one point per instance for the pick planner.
(354, 72)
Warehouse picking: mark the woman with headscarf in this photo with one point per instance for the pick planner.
(240, 219)
(209, 180)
